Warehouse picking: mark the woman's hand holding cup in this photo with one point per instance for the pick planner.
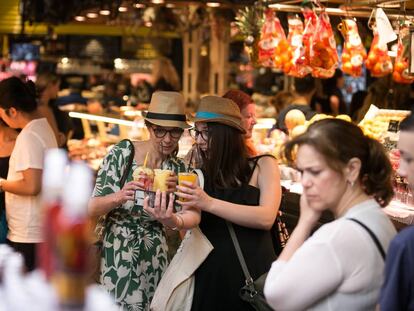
(191, 195)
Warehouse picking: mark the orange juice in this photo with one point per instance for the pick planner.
(160, 179)
(190, 177)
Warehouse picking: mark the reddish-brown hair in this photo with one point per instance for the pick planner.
(239, 97)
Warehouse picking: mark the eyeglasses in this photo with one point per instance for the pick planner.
(160, 132)
(194, 133)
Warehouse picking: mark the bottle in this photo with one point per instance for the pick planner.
(56, 162)
(72, 239)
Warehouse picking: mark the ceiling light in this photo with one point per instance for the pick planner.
(148, 24)
(213, 4)
(157, 1)
(64, 60)
(170, 5)
(139, 5)
(104, 12)
(122, 9)
(92, 15)
(80, 18)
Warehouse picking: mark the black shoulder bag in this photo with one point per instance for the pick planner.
(252, 292)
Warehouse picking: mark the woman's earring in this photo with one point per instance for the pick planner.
(351, 183)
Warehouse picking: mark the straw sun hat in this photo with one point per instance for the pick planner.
(167, 109)
(220, 110)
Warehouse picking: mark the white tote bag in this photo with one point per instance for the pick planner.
(176, 288)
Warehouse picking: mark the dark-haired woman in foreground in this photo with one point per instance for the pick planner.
(339, 267)
(23, 184)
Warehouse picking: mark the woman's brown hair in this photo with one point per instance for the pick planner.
(339, 141)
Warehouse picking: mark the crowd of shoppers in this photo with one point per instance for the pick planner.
(353, 262)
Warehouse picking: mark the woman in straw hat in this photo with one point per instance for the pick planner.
(238, 189)
(134, 252)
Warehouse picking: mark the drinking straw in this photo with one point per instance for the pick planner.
(145, 160)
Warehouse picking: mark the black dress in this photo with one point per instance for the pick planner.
(4, 168)
(220, 277)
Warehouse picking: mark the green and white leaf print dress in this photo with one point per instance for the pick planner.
(134, 254)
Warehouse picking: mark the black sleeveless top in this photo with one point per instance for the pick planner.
(4, 169)
(220, 277)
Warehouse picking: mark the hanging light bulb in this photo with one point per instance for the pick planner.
(105, 12)
(122, 9)
(92, 15)
(139, 5)
(80, 18)
(213, 4)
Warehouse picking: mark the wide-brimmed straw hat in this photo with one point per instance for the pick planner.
(220, 110)
(167, 109)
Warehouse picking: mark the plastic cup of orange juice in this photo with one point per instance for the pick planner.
(186, 176)
(160, 179)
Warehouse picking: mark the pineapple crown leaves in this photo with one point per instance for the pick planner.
(250, 19)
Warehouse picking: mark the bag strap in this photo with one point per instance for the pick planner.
(248, 277)
(129, 164)
(372, 235)
(124, 174)
(200, 177)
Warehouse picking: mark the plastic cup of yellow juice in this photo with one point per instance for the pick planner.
(160, 179)
(190, 177)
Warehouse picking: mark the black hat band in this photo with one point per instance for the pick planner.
(166, 116)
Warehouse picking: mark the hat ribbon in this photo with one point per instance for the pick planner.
(165, 116)
(208, 115)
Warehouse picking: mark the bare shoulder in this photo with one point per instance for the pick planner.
(267, 162)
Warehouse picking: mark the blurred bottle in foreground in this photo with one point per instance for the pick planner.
(56, 162)
(72, 239)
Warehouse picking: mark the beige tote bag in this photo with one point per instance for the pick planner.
(176, 288)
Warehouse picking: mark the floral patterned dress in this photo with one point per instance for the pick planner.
(134, 254)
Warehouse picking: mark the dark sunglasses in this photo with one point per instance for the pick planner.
(194, 133)
(160, 132)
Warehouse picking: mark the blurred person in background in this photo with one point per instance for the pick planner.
(305, 88)
(18, 109)
(281, 100)
(7, 140)
(75, 93)
(349, 174)
(47, 88)
(398, 289)
(357, 102)
(111, 98)
(164, 75)
(332, 90)
(248, 112)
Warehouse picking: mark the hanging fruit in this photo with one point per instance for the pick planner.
(353, 54)
(274, 49)
(250, 21)
(378, 61)
(298, 64)
(311, 21)
(323, 55)
(401, 72)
